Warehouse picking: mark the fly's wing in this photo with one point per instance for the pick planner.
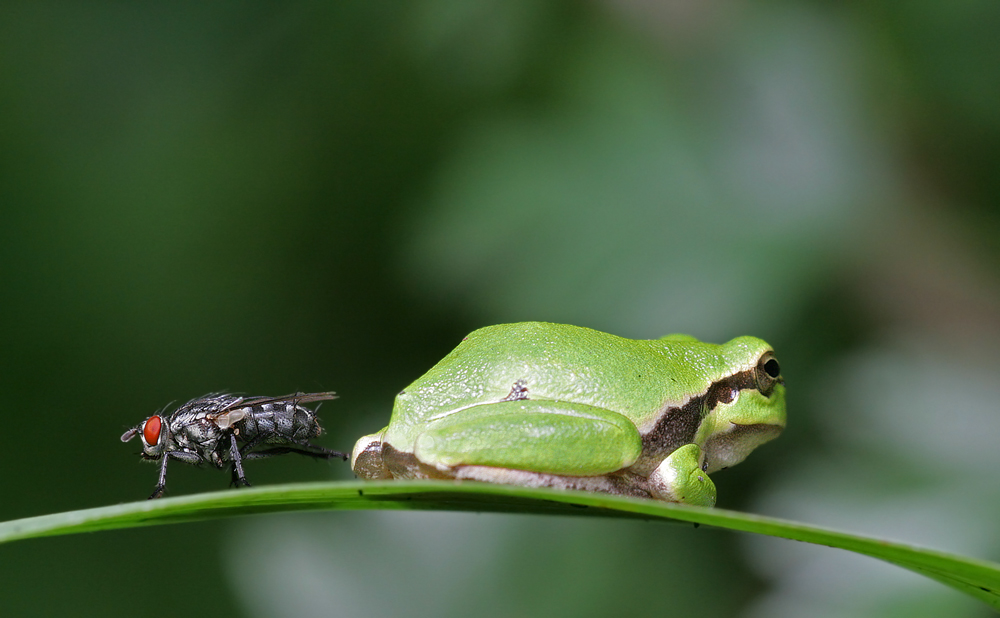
(222, 409)
(218, 403)
(294, 398)
(236, 410)
(210, 403)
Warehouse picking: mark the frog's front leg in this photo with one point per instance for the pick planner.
(680, 478)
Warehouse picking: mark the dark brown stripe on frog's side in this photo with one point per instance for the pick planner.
(678, 425)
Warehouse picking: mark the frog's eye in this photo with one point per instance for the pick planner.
(768, 373)
(151, 430)
(772, 368)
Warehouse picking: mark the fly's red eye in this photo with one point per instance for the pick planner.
(151, 431)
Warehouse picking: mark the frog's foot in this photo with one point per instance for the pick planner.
(679, 478)
(524, 478)
(366, 459)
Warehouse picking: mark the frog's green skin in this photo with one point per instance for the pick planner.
(553, 405)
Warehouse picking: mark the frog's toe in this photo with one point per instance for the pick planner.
(366, 459)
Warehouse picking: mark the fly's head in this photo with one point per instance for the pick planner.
(154, 433)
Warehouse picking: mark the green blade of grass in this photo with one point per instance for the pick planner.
(975, 577)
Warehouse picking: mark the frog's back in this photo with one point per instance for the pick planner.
(538, 360)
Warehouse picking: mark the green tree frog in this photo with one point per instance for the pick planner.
(552, 405)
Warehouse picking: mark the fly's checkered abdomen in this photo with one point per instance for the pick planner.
(280, 422)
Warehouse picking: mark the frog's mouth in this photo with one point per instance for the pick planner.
(731, 447)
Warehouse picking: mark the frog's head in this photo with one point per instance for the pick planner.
(744, 409)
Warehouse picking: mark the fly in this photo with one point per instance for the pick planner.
(226, 429)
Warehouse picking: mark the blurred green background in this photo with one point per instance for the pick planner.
(267, 198)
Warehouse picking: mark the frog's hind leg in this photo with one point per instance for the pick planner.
(546, 438)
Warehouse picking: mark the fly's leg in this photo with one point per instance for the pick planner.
(318, 453)
(161, 484)
(191, 458)
(239, 478)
